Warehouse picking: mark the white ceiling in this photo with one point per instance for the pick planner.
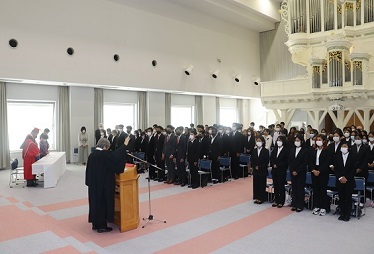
(255, 15)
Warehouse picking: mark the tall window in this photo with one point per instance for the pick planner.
(227, 116)
(23, 116)
(182, 115)
(115, 114)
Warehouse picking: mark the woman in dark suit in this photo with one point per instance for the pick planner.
(279, 165)
(297, 164)
(371, 150)
(320, 168)
(334, 147)
(260, 161)
(345, 169)
(193, 158)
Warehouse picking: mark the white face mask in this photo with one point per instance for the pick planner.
(358, 142)
(279, 143)
(336, 139)
(259, 144)
(353, 129)
(83, 131)
(192, 137)
(210, 131)
(371, 139)
(233, 128)
(319, 143)
(220, 131)
(297, 143)
(344, 150)
(311, 135)
(364, 141)
(149, 133)
(164, 133)
(346, 134)
(353, 137)
(277, 129)
(227, 132)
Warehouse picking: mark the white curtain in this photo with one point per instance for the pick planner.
(239, 110)
(218, 109)
(98, 106)
(4, 140)
(142, 110)
(63, 124)
(167, 108)
(199, 110)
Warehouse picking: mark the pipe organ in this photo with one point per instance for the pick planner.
(312, 16)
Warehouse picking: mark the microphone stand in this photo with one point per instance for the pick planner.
(150, 216)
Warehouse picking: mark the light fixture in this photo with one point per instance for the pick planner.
(256, 80)
(215, 74)
(188, 69)
(237, 77)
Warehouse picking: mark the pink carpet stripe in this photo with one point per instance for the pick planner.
(227, 234)
(13, 200)
(155, 188)
(27, 204)
(188, 206)
(67, 249)
(17, 223)
(63, 205)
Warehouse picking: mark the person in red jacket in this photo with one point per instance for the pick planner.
(30, 152)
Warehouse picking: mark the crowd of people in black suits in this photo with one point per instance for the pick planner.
(345, 153)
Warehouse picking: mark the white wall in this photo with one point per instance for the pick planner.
(257, 113)
(98, 29)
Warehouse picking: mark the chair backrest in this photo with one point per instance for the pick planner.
(308, 179)
(371, 178)
(205, 164)
(14, 163)
(139, 155)
(288, 176)
(225, 161)
(360, 183)
(244, 158)
(270, 175)
(332, 181)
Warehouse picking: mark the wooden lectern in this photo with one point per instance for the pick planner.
(126, 203)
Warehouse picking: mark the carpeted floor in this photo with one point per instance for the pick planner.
(220, 219)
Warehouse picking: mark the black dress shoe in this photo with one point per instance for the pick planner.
(274, 205)
(279, 205)
(94, 227)
(194, 187)
(103, 230)
(177, 183)
(293, 209)
(346, 218)
(298, 210)
(341, 217)
(189, 186)
(183, 184)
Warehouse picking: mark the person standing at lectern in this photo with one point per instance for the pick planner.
(101, 168)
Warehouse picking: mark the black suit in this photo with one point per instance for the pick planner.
(371, 156)
(236, 148)
(345, 189)
(113, 143)
(193, 159)
(298, 164)
(143, 144)
(159, 146)
(215, 151)
(320, 198)
(334, 150)
(121, 139)
(225, 144)
(150, 155)
(180, 156)
(363, 156)
(279, 164)
(249, 144)
(170, 146)
(260, 171)
(204, 147)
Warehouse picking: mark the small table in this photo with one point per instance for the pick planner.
(53, 166)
